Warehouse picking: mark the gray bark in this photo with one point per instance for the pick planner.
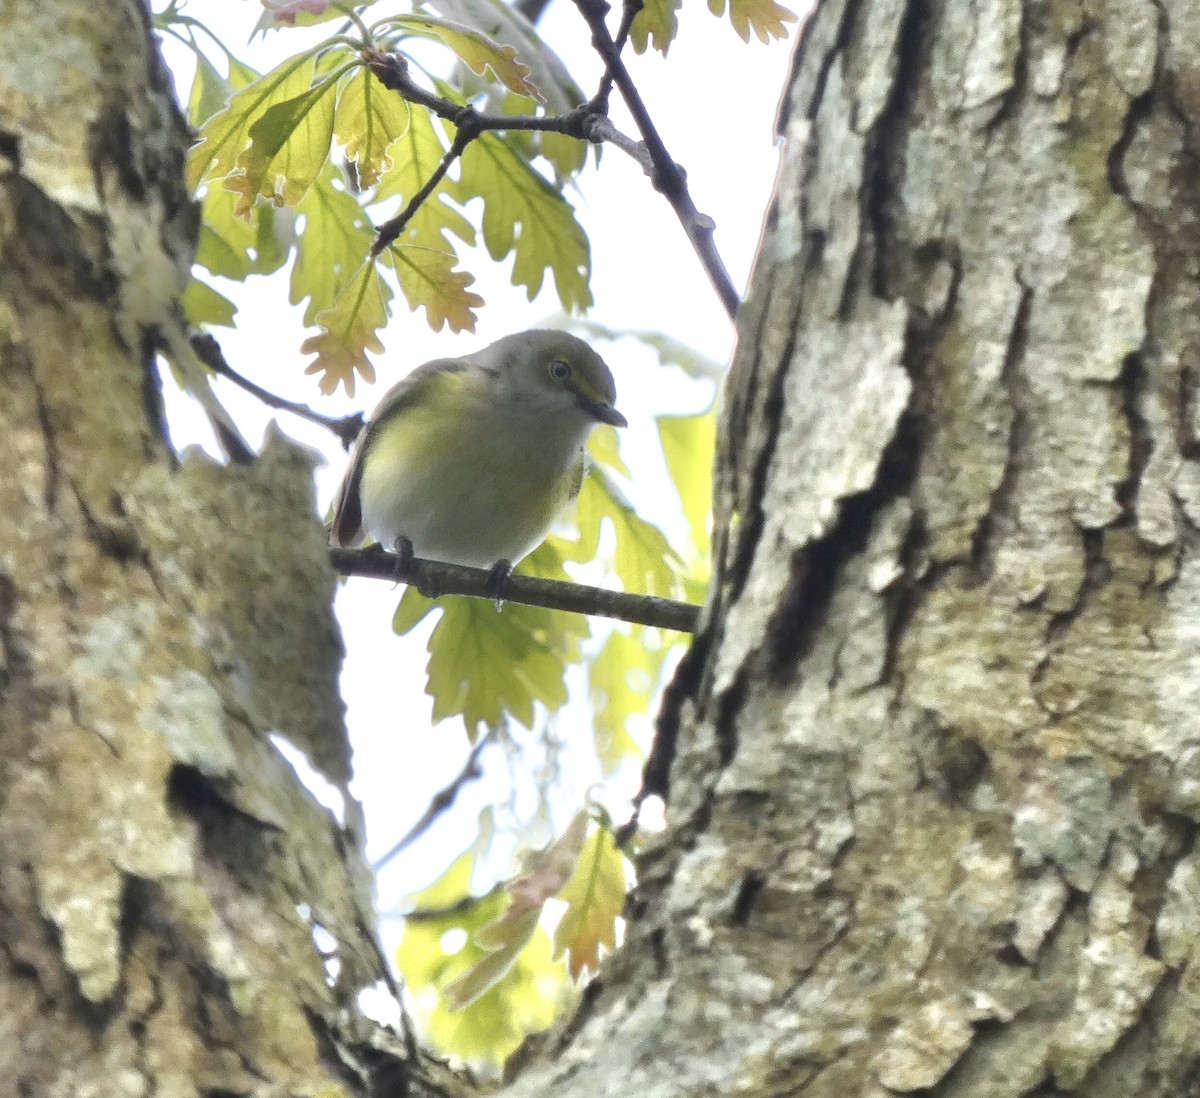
(935, 787)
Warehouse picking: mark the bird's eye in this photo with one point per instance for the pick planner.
(560, 370)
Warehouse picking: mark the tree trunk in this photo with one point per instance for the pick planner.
(162, 873)
(936, 774)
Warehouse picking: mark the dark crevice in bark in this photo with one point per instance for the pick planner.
(725, 721)
(884, 154)
(684, 684)
(1001, 512)
(747, 894)
(1096, 573)
(815, 568)
(1132, 383)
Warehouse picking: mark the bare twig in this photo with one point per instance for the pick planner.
(668, 178)
(208, 350)
(440, 802)
(434, 578)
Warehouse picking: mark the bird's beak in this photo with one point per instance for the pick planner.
(603, 413)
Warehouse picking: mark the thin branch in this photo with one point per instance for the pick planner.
(208, 350)
(439, 803)
(434, 578)
(668, 177)
(392, 228)
(629, 11)
(585, 123)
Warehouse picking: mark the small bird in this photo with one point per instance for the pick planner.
(470, 460)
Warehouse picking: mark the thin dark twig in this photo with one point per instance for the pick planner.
(440, 802)
(629, 11)
(458, 907)
(208, 350)
(585, 123)
(668, 177)
(392, 228)
(434, 578)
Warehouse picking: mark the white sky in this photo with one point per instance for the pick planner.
(714, 101)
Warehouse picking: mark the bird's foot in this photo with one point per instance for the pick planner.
(498, 580)
(405, 555)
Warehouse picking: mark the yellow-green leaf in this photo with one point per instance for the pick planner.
(203, 305)
(234, 247)
(523, 1000)
(764, 17)
(336, 240)
(688, 444)
(595, 897)
(655, 25)
(486, 663)
(349, 329)
(644, 561)
(289, 145)
(225, 135)
(525, 216)
(210, 91)
(412, 609)
(623, 680)
(604, 447)
(476, 50)
(428, 280)
(368, 120)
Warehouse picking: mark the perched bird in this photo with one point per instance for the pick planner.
(470, 460)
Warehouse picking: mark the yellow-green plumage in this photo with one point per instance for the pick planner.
(473, 459)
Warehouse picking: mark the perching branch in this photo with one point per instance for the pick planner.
(208, 350)
(434, 578)
(668, 177)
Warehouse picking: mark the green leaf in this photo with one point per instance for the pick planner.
(225, 135)
(623, 680)
(412, 609)
(543, 874)
(336, 240)
(234, 247)
(486, 663)
(525, 216)
(644, 561)
(595, 897)
(203, 305)
(523, 1000)
(689, 444)
(210, 91)
(655, 25)
(476, 50)
(349, 328)
(502, 23)
(289, 145)
(604, 446)
(369, 119)
(764, 17)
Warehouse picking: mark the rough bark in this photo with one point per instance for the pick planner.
(162, 873)
(936, 777)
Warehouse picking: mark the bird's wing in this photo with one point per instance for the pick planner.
(346, 528)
